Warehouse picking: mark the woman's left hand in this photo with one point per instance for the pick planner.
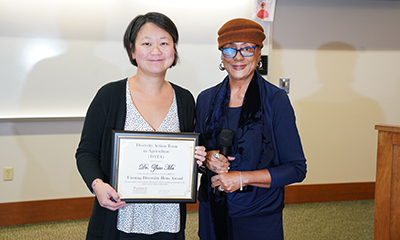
(231, 181)
(226, 182)
(200, 155)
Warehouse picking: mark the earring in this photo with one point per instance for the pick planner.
(221, 66)
(259, 64)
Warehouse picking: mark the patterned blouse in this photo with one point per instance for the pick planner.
(149, 218)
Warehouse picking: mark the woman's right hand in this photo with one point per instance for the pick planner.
(217, 162)
(107, 196)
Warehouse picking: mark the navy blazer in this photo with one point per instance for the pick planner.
(285, 159)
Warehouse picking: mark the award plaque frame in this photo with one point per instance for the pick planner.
(154, 167)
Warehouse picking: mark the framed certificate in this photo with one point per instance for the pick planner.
(154, 166)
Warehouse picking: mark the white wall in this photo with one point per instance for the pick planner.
(65, 50)
(342, 58)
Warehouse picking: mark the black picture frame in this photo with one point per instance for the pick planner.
(159, 178)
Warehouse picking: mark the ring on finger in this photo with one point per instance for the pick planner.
(216, 156)
(215, 168)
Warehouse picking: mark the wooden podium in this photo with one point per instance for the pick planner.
(387, 187)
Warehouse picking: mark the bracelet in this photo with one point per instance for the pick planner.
(94, 184)
(241, 181)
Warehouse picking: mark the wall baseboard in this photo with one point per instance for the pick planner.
(17, 213)
(329, 192)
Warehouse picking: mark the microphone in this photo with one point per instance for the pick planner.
(225, 142)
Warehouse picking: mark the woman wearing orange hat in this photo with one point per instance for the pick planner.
(266, 152)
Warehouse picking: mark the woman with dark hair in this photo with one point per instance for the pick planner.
(143, 102)
(242, 195)
(136, 24)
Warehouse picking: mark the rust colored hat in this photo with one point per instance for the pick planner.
(241, 30)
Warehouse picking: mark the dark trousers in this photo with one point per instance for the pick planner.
(268, 227)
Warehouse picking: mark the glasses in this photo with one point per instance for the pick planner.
(244, 51)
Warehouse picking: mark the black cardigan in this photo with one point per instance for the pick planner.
(107, 112)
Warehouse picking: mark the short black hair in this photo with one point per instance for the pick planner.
(158, 19)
